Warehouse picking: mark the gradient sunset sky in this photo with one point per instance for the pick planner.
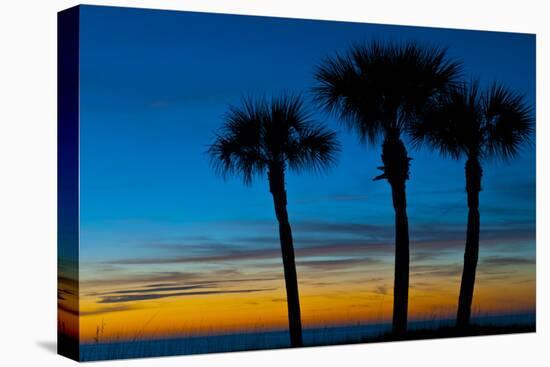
(168, 248)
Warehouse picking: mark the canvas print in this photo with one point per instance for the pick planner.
(234, 183)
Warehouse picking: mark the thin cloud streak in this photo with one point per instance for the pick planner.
(505, 261)
(143, 297)
(335, 247)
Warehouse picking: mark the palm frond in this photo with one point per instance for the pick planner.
(464, 121)
(451, 123)
(377, 87)
(509, 122)
(237, 148)
(425, 73)
(315, 149)
(263, 135)
(339, 92)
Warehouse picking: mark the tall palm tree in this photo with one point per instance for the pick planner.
(270, 137)
(476, 126)
(378, 90)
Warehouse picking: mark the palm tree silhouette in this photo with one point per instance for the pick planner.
(271, 137)
(477, 126)
(378, 90)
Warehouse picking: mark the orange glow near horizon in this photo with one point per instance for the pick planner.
(338, 302)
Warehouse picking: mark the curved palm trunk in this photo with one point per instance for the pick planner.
(473, 187)
(277, 189)
(396, 171)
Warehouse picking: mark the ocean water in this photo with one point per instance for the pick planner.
(269, 339)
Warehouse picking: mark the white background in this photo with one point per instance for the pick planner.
(28, 182)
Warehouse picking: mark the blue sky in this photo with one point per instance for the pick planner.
(154, 88)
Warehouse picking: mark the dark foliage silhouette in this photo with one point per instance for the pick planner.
(378, 90)
(270, 137)
(476, 126)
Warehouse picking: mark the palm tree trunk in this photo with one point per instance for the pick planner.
(277, 189)
(401, 271)
(473, 187)
(396, 171)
